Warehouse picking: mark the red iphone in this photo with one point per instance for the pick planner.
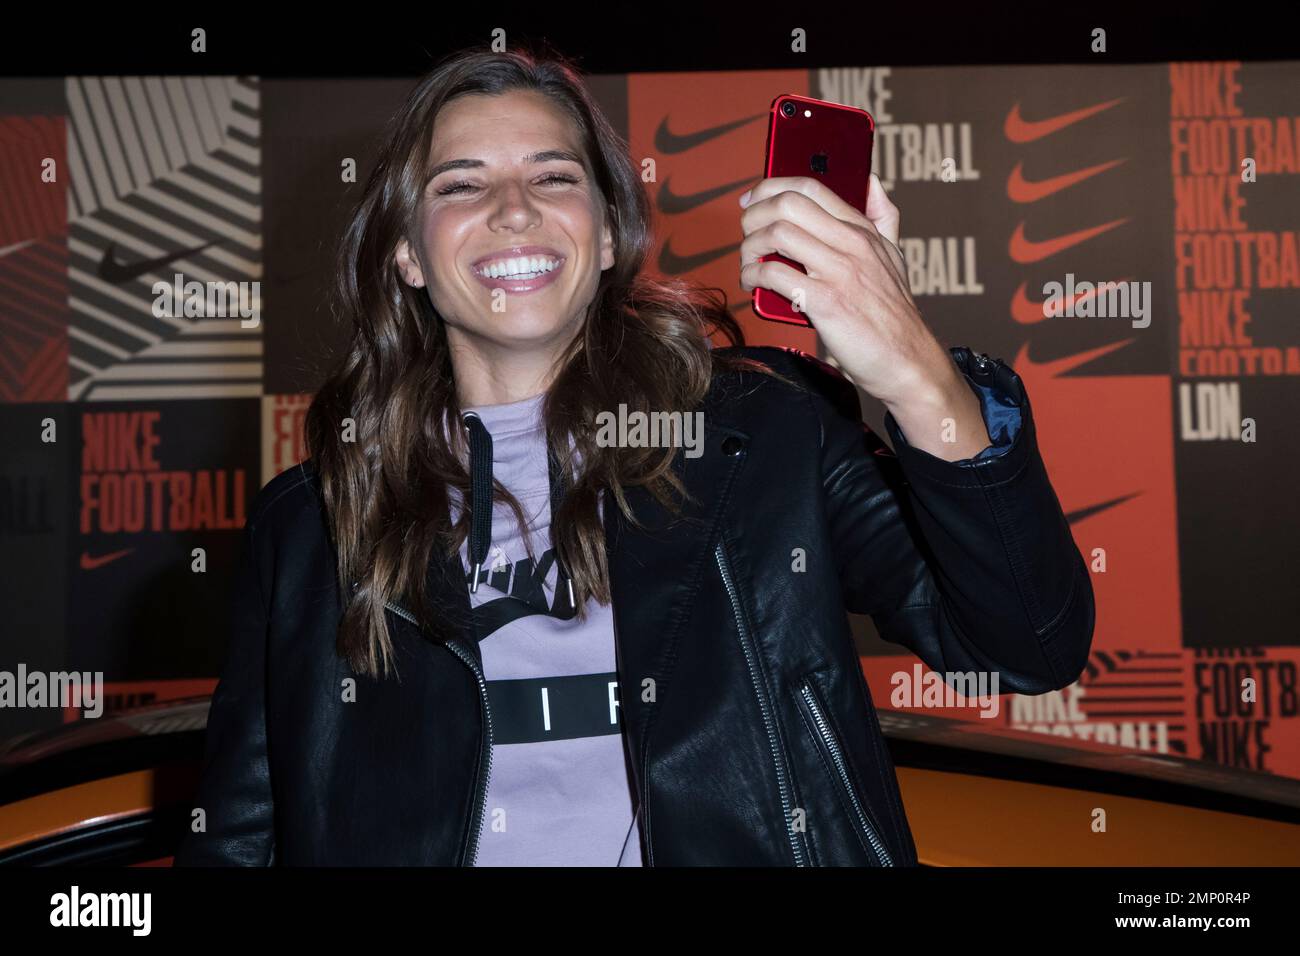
(829, 141)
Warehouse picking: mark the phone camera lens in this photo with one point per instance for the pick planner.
(787, 108)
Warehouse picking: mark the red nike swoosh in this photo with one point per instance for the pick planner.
(1027, 313)
(89, 564)
(1026, 250)
(1020, 130)
(1020, 189)
(1028, 369)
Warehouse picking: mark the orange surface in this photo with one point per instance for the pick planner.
(960, 820)
(90, 803)
(957, 820)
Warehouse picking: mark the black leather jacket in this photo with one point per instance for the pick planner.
(759, 744)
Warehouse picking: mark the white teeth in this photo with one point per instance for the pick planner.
(520, 267)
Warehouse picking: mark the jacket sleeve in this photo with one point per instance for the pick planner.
(1001, 418)
(971, 564)
(235, 788)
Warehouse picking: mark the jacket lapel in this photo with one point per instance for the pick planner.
(655, 574)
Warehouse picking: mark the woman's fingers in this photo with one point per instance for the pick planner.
(788, 238)
(808, 217)
(804, 292)
(884, 217)
(882, 213)
(827, 230)
(814, 189)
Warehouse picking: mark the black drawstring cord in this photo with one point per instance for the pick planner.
(480, 483)
(480, 456)
(557, 496)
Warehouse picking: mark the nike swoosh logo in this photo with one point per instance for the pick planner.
(1027, 250)
(672, 204)
(89, 564)
(670, 263)
(1074, 517)
(1027, 368)
(669, 142)
(1020, 130)
(111, 270)
(495, 614)
(1020, 189)
(1027, 312)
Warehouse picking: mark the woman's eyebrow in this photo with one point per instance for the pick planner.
(542, 156)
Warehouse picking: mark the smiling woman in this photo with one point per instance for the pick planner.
(511, 240)
(673, 680)
(508, 314)
(495, 255)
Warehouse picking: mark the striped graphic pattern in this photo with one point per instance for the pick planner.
(1138, 685)
(33, 322)
(33, 260)
(167, 171)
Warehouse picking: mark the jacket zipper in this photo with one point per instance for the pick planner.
(751, 661)
(642, 814)
(481, 800)
(837, 757)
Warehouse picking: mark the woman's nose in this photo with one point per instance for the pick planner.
(513, 203)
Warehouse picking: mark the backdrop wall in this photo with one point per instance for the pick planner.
(1178, 177)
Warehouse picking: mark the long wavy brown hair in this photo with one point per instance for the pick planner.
(644, 343)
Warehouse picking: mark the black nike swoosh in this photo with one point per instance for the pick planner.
(491, 616)
(110, 270)
(672, 204)
(670, 263)
(1074, 517)
(669, 142)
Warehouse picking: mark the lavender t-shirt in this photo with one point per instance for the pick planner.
(559, 791)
